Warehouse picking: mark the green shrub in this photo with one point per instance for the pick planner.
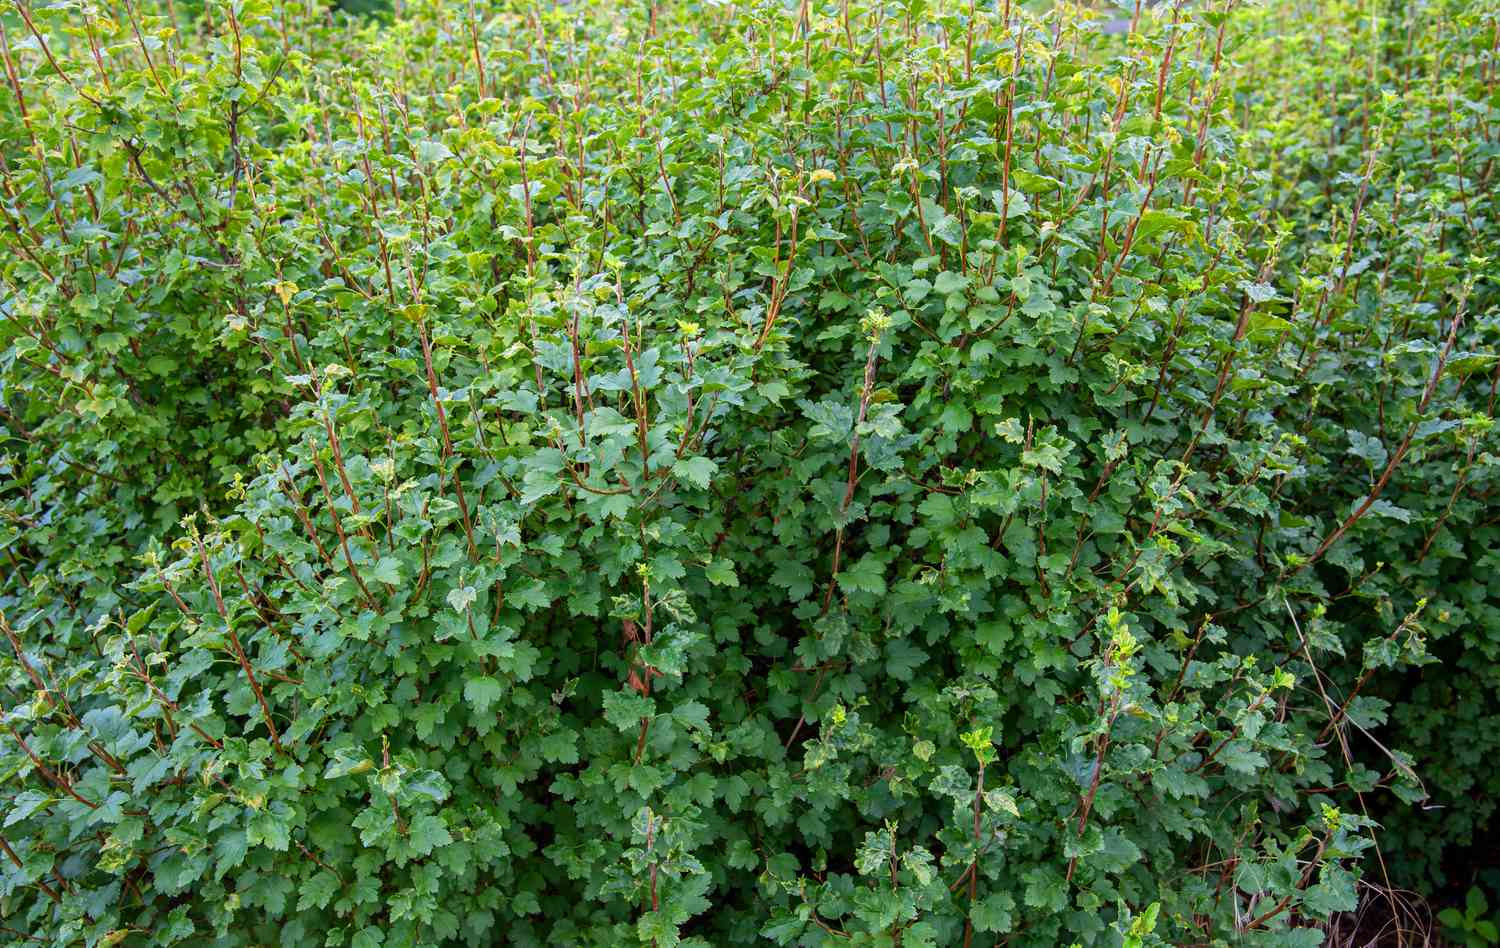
(1470, 927)
(869, 472)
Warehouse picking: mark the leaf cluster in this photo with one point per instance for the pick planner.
(871, 472)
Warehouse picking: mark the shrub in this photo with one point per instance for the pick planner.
(887, 473)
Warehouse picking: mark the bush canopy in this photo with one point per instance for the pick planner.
(818, 472)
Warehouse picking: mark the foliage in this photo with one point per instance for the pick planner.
(861, 472)
(1470, 927)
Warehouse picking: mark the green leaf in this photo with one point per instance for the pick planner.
(1369, 449)
(692, 714)
(483, 692)
(993, 913)
(428, 784)
(1384, 508)
(721, 572)
(532, 595)
(462, 598)
(1259, 292)
(657, 929)
(696, 471)
(866, 575)
(560, 747)
(347, 761)
(902, 659)
(1001, 801)
(387, 570)
(368, 937)
(950, 282)
(428, 832)
(1475, 902)
(947, 228)
(1155, 222)
(625, 710)
(24, 804)
(318, 891)
(270, 829)
(1046, 889)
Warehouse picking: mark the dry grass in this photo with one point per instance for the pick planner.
(1386, 917)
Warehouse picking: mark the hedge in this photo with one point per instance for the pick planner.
(822, 472)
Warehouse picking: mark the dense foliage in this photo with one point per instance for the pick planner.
(853, 471)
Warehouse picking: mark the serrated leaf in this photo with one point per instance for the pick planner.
(697, 471)
(865, 575)
(483, 692)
